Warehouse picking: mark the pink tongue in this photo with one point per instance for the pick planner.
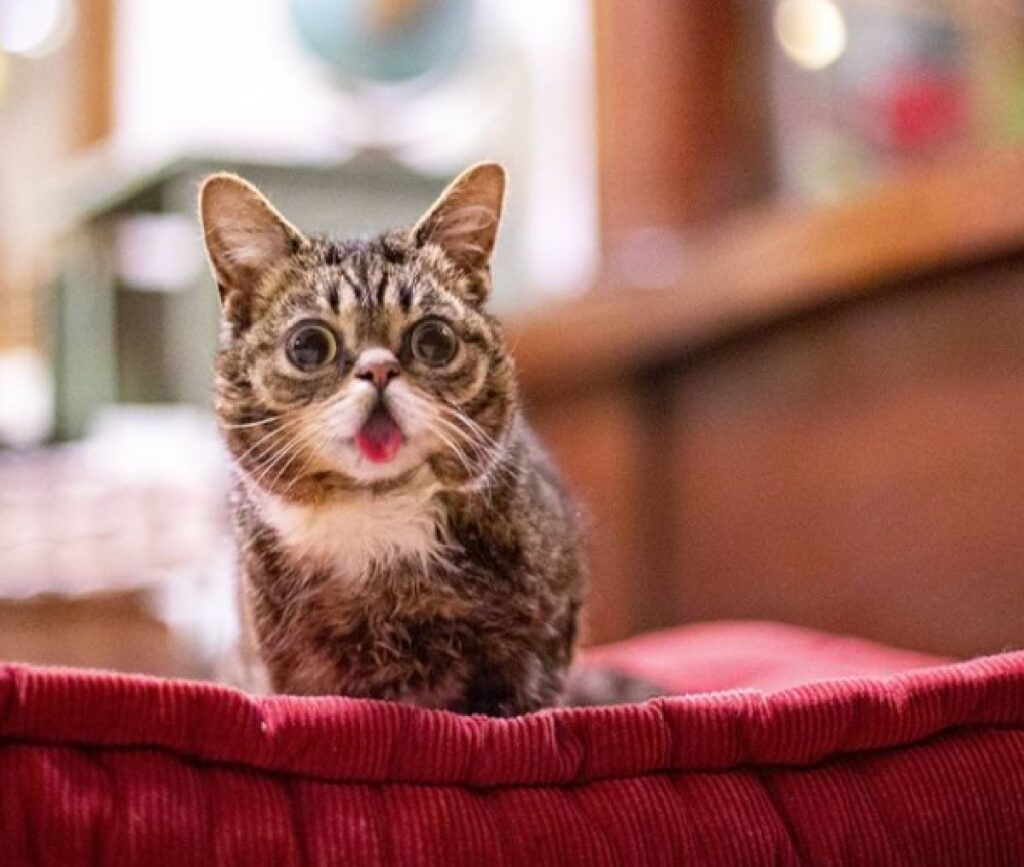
(379, 439)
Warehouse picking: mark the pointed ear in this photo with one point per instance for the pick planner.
(244, 235)
(463, 222)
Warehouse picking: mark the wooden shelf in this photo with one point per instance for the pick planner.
(767, 266)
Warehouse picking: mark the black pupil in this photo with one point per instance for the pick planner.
(311, 347)
(434, 343)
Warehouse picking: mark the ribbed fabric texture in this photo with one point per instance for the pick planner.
(922, 767)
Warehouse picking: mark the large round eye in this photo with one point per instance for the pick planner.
(311, 345)
(434, 342)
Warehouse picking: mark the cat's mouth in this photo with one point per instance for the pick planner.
(380, 437)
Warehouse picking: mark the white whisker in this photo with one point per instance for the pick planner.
(252, 423)
(281, 453)
(284, 426)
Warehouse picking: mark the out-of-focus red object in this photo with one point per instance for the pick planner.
(924, 766)
(923, 108)
(707, 657)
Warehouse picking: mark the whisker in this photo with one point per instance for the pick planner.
(459, 415)
(291, 422)
(284, 426)
(282, 452)
(459, 454)
(468, 427)
(315, 433)
(430, 420)
(490, 446)
(252, 423)
(301, 474)
(486, 465)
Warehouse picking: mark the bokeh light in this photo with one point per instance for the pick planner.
(811, 32)
(34, 28)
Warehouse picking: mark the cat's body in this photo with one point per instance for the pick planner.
(466, 601)
(402, 534)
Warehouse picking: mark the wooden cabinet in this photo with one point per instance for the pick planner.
(823, 423)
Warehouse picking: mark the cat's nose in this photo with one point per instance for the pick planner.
(377, 366)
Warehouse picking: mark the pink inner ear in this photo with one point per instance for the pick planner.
(244, 234)
(246, 244)
(466, 233)
(464, 221)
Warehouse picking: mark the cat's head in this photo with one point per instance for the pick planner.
(359, 363)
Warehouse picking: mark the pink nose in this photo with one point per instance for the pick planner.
(379, 371)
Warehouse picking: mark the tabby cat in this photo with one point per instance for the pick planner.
(402, 534)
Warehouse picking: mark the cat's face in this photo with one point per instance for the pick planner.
(360, 363)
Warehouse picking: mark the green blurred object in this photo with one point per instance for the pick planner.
(386, 40)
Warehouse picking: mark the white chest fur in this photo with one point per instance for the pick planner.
(349, 536)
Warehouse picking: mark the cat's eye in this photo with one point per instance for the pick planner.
(311, 345)
(433, 342)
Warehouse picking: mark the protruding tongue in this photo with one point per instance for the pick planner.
(379, 439)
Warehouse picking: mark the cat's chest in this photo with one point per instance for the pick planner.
(351, 537)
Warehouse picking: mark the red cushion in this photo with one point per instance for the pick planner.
(749, 654)
(922, 767)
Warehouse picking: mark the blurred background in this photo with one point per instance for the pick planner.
(763, 266)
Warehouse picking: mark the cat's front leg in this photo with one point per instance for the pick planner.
(500, 692)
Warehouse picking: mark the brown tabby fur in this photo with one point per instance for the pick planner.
(476, 613)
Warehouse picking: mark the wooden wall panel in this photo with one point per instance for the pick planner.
(822, 422)
(862, 470)
(594, 437)
(681, 112)
(93, 46)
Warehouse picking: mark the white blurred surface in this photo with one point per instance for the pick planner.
(231, 77)
(26, 398)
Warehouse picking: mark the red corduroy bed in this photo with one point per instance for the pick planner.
(887, 757)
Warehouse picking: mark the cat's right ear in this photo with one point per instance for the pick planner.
(245, 237)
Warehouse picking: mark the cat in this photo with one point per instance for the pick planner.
(402, 534)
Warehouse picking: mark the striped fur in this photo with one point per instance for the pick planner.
(450, 576)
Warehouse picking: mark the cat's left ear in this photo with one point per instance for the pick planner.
(245, 238)
(463, 222)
